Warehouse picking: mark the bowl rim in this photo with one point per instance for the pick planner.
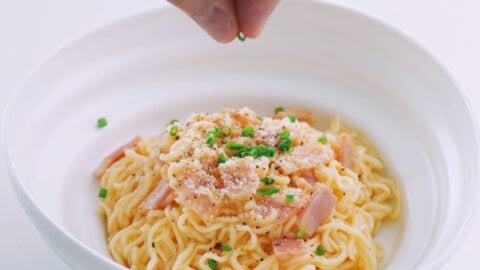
(28, 203)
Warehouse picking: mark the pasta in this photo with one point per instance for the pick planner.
(232, 190)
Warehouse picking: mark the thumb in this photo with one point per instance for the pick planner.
(216, 17)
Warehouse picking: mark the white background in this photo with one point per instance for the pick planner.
(31, 29)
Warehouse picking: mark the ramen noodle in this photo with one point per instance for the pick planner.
(233, 190)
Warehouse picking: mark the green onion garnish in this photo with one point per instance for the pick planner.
(268, 180)
(212, 136)
(260, 118)
(248, 132)
(212, 264)
(234, 146)
(173, 121)
(279, 110)
(323, 139)
(173, 131)
(102, 122)
(320, 251)
(222, 158)
(285, 145)
(241, 36)
(227, 248)
(289, 198)
(102, 193)
(300, 233)
(285, 134)
(292, 117)
(267, 191)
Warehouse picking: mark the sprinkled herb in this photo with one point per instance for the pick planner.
(102, 193)
(260, 118)
(212, 264)
(268, 180)
(285, 145)
(173, 131)
(323, 139)
(320, 251)
(289, 198)
(222, 158)
(300, 233)
(227, 248)
(241, 36)
(292, 117)
(173, 121)
(102, 122)
(285, 134)
(234, 146)
(267, 191)
(279, 110)
(212, 136)
(248, 132)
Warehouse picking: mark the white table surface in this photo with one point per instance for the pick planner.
(29, 30)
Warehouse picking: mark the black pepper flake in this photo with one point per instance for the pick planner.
(301, 143)
(257, 227)
(134, 174)
(177, 137)
(261, 259)
(218, 246)
(244, 223)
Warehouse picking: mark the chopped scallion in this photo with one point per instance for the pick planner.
(320, 251)
(292, 117)
(279, 110)
(241, 36)
(285, 145)
(173, 131)
(267, 191)
(323, 139)
(227, 248)
(234, 146)
(285, 134)
(248, 132)
(102, 193)
(173, 121)
(212, 264)
(222, 158)
(289, 198)
(268, 180)
(102, 122)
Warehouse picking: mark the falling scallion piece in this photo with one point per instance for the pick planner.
(241, 36)
(173, 131)
(292, 117)
(102, 122)
(279, 110)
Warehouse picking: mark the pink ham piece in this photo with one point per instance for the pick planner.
(345, 152)
(115, 156)
(160, 197)
(318, 209)
(288, 248)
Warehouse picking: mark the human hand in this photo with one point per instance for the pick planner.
(224, 19)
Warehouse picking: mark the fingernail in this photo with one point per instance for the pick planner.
(217, 23)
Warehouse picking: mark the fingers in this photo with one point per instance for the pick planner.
(253, 14)
(216, 17)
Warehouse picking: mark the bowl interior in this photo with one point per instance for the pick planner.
(139, 73)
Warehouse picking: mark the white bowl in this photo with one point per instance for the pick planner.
(147, 69)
